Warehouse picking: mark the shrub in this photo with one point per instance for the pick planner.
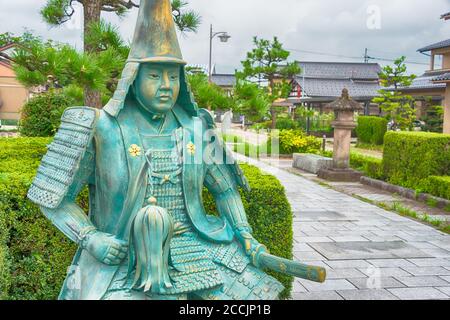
(37, 254)
(437, 186)
(286, 124)
(411, 157)
(370, 166)
(295, 141)
(371, 129)
(41, 115)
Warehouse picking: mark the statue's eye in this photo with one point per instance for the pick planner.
(174, 77)
(154, 76)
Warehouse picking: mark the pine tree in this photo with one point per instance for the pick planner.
(268, 61)
(398, 106)
(57, 12)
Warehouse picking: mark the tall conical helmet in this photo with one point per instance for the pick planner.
(155, 38)
(155, 41)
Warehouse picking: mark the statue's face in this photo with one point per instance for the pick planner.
(158, 85)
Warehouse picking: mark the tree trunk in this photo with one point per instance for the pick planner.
(273, 112)
(272, 108)
(92, 11)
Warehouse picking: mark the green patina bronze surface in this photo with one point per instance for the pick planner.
(146, 158)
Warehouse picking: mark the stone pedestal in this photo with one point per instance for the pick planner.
(343, 126)
(344, 175)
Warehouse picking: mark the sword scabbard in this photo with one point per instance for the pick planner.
(293, 268)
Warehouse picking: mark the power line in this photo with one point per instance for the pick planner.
(366, 57)
(324, 54)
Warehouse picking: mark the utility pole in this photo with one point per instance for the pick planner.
(366, 56)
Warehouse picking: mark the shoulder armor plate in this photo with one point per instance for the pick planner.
(59, 166)
(228, 158)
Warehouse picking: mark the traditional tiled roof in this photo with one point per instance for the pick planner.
(333, 87)
(424, 82)
(442, 77)
(328, 79)
(340, 70)
(437, 45)
(224, 80)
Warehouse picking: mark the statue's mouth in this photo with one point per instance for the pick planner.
(165, 98)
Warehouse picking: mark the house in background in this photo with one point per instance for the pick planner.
(432, 88)
(13, 95)
(322, 82)
(225, 81)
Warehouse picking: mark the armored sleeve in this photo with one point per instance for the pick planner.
(223, 177)
(67, 164)
(66, 168)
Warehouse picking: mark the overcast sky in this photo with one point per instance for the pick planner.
(328, 30)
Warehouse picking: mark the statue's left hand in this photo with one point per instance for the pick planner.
(106, 248)
(250, 244)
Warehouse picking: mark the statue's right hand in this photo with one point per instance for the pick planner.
(106, 248)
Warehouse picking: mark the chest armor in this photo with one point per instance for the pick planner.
(190, 265)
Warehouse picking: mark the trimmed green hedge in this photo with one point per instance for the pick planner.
(437, 186)
(371, 129)
(34, 255)
(411, 157)
(370, 166)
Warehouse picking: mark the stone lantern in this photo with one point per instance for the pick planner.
(344, 108)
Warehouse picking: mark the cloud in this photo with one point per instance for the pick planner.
(336, 29)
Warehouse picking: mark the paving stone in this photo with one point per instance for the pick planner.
(328, 285)
(443, 244)
(308, 256)
(384, 272)
(297, 287)
(336, 264)
(376, 283)
(427, 293)
(423, 281)
(301, 247)
(367, 250)
(431, 262)
(391, 263)
(319, 233)
(367, 294)
(376, 238)
(344, 273)
(437, 253)
(445, 290)
(348, 238)
(314, 239)
(427, 271)
(326, 295)
(422, 245)
(323, 215)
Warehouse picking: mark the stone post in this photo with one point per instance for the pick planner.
(345, 108)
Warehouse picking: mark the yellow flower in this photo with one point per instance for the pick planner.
(134, 150)
(191, 148)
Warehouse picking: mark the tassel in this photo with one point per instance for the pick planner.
(151, 232)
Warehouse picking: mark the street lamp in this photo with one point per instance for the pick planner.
(223, 36)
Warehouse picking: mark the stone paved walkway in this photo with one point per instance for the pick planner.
(369, 253)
